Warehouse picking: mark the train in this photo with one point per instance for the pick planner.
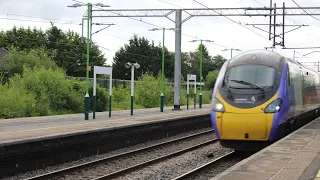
(261, 96)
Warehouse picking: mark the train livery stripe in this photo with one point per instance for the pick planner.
(282, 116)
(214, 124)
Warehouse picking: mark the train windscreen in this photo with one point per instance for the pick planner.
(251, 75)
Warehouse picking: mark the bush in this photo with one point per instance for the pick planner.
(15, 60)
(16, 102)
(49, 86)
(211, 79)
(102, 95)
(42, 91)
(147, 91)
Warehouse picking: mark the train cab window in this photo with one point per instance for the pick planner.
(260, 75)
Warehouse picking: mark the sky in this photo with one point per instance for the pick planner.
(224, 32)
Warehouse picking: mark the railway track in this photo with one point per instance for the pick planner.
(90, 165)
(197, 170)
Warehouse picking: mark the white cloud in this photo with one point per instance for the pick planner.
(219, 29)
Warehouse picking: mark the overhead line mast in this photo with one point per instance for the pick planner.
(197, 12)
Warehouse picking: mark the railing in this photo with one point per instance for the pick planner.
(125, 83)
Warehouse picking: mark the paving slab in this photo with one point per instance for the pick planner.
(25, 128)
(297, 156)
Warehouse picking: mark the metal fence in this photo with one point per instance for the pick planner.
(124, 83)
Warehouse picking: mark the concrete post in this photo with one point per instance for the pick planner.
(177, 61)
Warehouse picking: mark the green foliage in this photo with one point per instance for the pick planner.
(65, 48)
(16, 102)
(78, 90)
(41, 91)
(102, 98)
(148, 91)
(15, 60)
(49, 86)
(206, 97)
(148, 55)
(121, 98)
(211, 79)
(218, 62)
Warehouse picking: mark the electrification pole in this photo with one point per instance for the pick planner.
(162, 65)
(86, 106)
(88, 68)
(162, 74)
(231, 49)
(201, 76)
(197, 12)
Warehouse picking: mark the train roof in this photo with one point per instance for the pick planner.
(259, 56)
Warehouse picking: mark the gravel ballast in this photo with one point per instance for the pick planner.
(100, 156)
(136, 158)
(219, 167)
(179, 165)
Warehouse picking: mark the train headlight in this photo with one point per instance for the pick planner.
(217, 105)
(274, 106)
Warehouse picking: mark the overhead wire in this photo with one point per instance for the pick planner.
(171, 4)
(49, 20)
(140, 20)
(63, 44)
(74, 45)
(44, 20)
(288, 19)
(305, 10)
(38, 21)
(231, 19)
(194, 37)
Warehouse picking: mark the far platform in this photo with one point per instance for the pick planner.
(294, 157)
(26, 128)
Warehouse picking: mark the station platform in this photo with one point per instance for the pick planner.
(26, 128)
(296, 156)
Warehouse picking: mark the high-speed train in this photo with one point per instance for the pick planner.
(260, 96)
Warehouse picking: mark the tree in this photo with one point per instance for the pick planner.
(16, 61)
(141, 51)
(23, 38)
(192, 62)
(218, 61)
(211, 79)
(66, 48)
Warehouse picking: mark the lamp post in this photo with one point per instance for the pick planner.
(201, 78)
(231, 49)
(132, 66)
(162, 66)
(88, 68)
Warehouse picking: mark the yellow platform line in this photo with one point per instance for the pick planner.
(317, 176)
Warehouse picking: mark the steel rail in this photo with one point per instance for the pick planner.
(196, 170)
(152, 161)
(90, 164)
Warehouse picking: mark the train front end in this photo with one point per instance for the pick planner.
(249, 99)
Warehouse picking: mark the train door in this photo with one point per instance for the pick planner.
(298, 88)
(290, 85)
(305, 91)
